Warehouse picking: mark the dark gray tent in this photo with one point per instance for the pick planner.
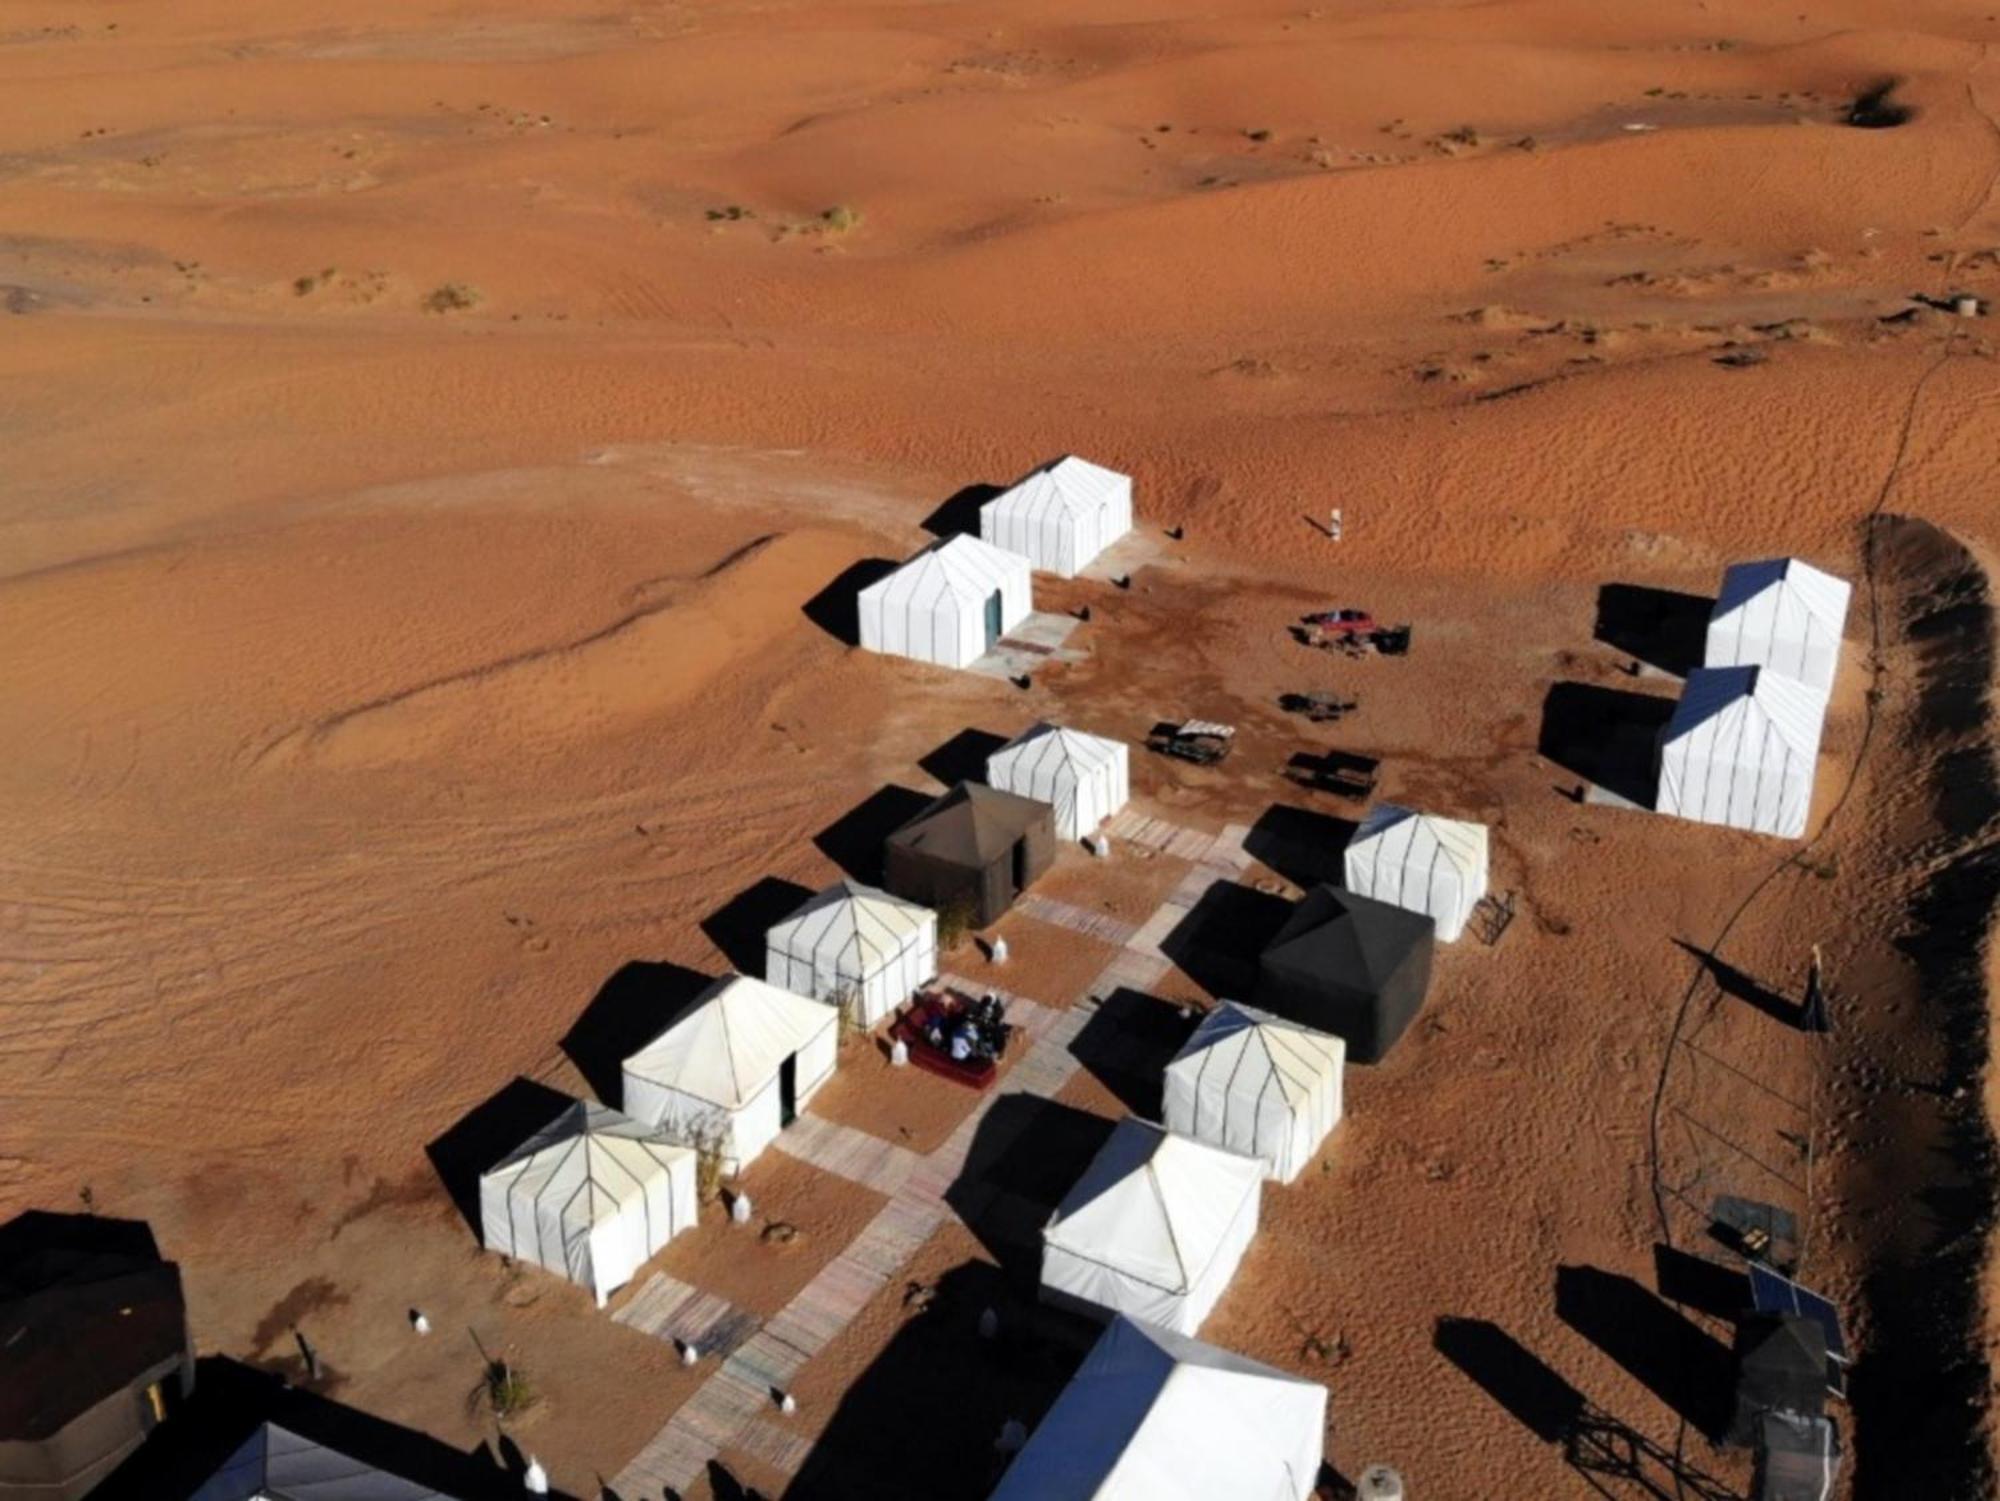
(975, 846)
(1780, 1367)
(1350, 966)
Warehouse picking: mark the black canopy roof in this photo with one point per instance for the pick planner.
(972, 825)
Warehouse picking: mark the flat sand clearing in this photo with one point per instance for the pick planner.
(441, 448)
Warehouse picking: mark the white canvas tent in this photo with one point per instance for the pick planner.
(738, 1067)
(949, 604)
(1742, 749)
(852, 940)
(1086, 777)
(1154, 1228)
(1782, 614)
(276, 1464)
(1421, 863)
(591, 1197)
(1060, 516)
(1258, 1085)
(1155, 1416)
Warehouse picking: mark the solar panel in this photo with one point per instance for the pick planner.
(1771, 1293)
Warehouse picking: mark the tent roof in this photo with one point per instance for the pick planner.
(80, 1320)
(276, 1464)
(730, 1044)
(1412, 838)
(1068, 486)
(971, 825)
(1784, 1345)
(1154, 1204)
(1257, 1050)
(963, 568)
(1341, 936)
(595, 1157)
(1144, 1401)
(850, 916)
(1808, 593)
(1045, 747)
(1749, 699)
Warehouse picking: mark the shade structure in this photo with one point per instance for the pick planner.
(1154, 1228)
(1421, 863)
(1061, 515)
(591, 1196)
(1780, 1367)
(1782, 614)
(852, 941)
(1085, 778)
(276, 1464)
(735, 1069)
(1257, 1085)
(976, 848)
(1348, 965)
(1742, 749)
(1156, 1416)
(949, 604)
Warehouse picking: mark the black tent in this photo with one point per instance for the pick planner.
(93, 1349)
(1348, 965)
(975, 846)
(1780, 1367)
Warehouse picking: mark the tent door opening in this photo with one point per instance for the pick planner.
(992, 619)
(788, 1090)
(1020, 866)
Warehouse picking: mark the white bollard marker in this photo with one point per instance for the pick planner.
(690, 1353)
(989, 1323)
(787, 1404)
(999, 951)
(419, 1323)
(739, 1209)
(535, 1480)
(899, 1054)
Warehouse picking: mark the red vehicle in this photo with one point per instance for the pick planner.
(1341, 622)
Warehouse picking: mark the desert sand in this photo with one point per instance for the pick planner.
(437, 436)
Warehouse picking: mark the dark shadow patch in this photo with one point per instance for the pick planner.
(1217, 945)
(1739, 986)
(1672, 1358)
(1877, 108)
(486, 1134)
(833, 609)
(1026, 1154)
(1303, 846)
(1660, 627)
(41, 1248)
(959, 513)
(1127, 1044)
(854, 840)
(737, 928)
(1534, 1395)
(634, 1006)
(963, 757)
(922, 1419)
(1710, 1287)
(1607, 736)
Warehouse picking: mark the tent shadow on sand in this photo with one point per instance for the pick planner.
(963, 757)
(231, 1400)
(633, 1007)
(487, 1133)
(1607, 736)
(1218, 943)
(67, 1238)
(1027, 1153)
(854, 840)
(1533, 1395)
(1673, 1358)
(922, 1418)
(1127, 1044)
(1740, 986)
(1660, 627)
(738, 926)
(1303, 845)
(834, 609)
(959, 512)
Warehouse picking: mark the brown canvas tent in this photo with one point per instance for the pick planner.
(974, 846)
(93, 1349)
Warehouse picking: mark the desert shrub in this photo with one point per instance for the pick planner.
(509, 1392)
(452, 297)
(841, 218)
(954, 922)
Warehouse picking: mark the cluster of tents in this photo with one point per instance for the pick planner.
(1742, 748)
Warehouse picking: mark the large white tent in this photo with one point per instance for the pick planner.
(1152, 1415)
(1258, 1085)
(1060, 516)
(854, 941)
(1154, 1228)
(1085, 777)
(1742, 749)
(1782, 614)
(949, 604)
(1421, 863)
(591, 1197)
(736, 1069)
